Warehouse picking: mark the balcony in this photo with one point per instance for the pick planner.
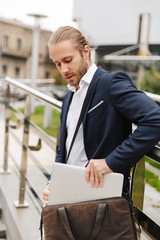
(15, 53)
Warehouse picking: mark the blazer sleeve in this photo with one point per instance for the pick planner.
(142, 111)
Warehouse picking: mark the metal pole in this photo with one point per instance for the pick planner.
(47, 117)
(35, 51)
(143, 36)
(7, 116)
(22, 202)
(93, 55)
(35, 54)
(143, 39)
(139, 184)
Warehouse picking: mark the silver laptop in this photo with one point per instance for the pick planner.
(68, 185)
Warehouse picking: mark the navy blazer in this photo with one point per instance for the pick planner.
(107, 126)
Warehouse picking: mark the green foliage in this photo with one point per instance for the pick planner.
(154, 164)
(153, 180)
(151, 81)
(59, 79)
(38, 116)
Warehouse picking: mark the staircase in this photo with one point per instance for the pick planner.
(2, 226)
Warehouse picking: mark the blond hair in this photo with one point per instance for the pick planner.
(68, 33)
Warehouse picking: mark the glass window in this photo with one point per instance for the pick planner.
(4, 41)
(4, 70)
(17, 72)
(47, 75)
(19, 43)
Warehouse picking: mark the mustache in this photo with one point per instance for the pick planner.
(68, 74)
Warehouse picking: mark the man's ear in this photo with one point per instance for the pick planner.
(86, 51)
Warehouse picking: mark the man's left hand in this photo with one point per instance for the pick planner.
(95, 171)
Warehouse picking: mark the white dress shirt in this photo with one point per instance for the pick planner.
(78, 156)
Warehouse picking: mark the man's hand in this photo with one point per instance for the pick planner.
(95, 171)
(46, 194)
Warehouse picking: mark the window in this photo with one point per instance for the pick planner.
(5, 42)
(17, 72)
(19, 43)
(4, 70)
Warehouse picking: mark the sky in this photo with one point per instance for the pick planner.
(58, 12)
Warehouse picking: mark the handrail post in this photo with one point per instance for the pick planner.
(139, 184)
(21, 202)
(5, 169)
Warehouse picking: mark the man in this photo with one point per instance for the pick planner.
(105, 141)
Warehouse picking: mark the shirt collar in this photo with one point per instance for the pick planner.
(86, 78)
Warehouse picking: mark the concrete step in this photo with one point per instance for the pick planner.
(2, 230)
(0, 211)
(2, 227)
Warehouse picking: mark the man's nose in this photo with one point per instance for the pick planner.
(64, 69)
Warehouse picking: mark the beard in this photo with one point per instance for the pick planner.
(78, 74)
(83, 68)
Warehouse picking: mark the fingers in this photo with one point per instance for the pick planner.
(92, 175)
(101, 179)
(46, 194)
(87, 173)
(45, 204)
(95, 171)
(96, 179)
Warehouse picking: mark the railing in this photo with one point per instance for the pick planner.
(27, 125)
(148, 225)
(149, 228)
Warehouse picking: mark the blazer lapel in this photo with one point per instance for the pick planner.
(63, 135)
(98, 72)
(67, 104)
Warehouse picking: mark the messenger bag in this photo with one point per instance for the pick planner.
(111, 219)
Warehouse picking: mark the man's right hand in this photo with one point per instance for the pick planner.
(46, 194)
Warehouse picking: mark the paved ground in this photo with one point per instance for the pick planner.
(152, 203)
(152, 198)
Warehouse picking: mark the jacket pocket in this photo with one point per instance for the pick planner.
(96, 106)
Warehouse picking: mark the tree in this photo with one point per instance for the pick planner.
(151, 81)
(59, 79)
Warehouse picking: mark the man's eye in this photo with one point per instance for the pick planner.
(68, 60)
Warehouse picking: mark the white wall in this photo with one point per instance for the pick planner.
(107, 22)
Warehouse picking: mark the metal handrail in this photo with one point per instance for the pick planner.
(47, 99)
(27, 124)
(153, 96)
(46, 138)
(154, 154)
(51, 101)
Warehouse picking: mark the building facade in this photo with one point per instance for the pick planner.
(16, 51)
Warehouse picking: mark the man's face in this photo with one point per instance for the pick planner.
(70, 63)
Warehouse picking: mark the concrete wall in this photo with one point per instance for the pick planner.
(115, 22)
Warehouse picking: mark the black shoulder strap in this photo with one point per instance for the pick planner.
(84, 107)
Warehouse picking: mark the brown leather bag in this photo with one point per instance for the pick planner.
(111, 219)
